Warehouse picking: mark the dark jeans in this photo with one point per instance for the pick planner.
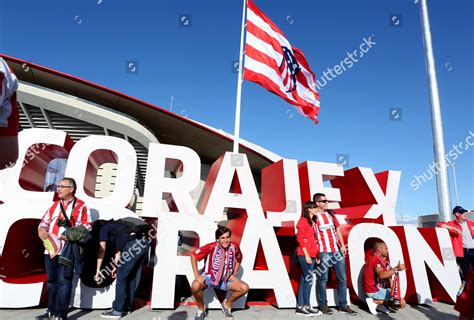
(59, 286)
(336, 260)
(306, 281)
(466, 263)
(128, 273)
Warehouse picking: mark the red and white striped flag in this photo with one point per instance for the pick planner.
(272, 62)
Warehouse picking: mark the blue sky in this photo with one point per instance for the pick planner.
(95, 40)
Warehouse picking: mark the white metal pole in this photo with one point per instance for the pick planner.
(442, 184)
(239, 82)
(401, 211)
(453, 165)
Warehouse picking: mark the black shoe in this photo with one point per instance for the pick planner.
(393, 308)
(301, 311)
(44, 316)
(325, 310)
(383, 309)
(110, 314)
(347, 311)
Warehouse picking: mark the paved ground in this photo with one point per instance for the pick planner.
(434, 311)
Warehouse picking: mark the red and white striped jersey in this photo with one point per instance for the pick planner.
(327, 237)
(80, 215)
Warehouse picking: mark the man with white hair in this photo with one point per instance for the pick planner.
(66, 214)
(461, 231)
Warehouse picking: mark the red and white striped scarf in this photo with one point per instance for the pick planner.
(222, 261)
(384, 283)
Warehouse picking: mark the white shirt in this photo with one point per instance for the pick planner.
(467, 241)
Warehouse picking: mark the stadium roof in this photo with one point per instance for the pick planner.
(168, 127)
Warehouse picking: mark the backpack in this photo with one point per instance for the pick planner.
(135, 226)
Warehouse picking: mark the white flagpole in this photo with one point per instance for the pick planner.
(442, 185)
(239, 83)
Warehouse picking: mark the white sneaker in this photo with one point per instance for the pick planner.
(313, 312)
(372, 305)
(376, 308)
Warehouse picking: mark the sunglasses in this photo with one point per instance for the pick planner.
(324, 201)
(64, 187)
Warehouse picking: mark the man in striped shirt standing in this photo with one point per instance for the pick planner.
(68, 211)
(332, 252)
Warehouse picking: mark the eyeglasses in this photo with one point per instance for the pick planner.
(324, 201)
(64, 187)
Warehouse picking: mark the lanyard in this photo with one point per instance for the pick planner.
(64, 211)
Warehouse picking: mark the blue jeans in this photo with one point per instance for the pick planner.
(128, 274)
(59, 286)
(466, 263)
(336, 260)
(306, 281)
